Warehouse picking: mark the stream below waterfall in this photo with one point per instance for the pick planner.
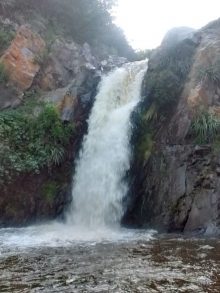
(90, 252)
(135, 262)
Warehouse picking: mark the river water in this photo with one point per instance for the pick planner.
(122, 261)
(90, 252)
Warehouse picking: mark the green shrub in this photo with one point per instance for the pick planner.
(210, 74)
(167, 74)
(164, 81)
(6, 36)
(42, 57)
(83, 21)
(205, 127)
(30, 142)
(178, 58)
(164, 89)
(142, 139)
(216, 145)
(49, 190)
(145, 147)
(151, 113)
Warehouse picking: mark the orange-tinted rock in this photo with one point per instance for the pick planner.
(201, 92)
(66, 105)
(197, 97)
(47, 80)
(20, 58)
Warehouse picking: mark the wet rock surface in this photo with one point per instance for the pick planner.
(177, 187)
(166, 264)
(181, 191)
(64, 62)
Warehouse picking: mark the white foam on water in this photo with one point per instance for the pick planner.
(57, 234)
(98, 185)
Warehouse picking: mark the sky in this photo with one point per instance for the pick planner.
(145, 22)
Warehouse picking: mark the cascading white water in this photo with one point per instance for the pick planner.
(99, 187)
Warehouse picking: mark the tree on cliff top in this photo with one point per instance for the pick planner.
(82, 20)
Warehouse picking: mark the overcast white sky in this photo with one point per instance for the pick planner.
(145, 22)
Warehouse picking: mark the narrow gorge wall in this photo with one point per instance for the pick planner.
(48, 82)
(175, 174)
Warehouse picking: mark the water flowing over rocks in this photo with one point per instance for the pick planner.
(173, 183)
(98, 186)
(160, 265)
(66, 74)
(175, 186)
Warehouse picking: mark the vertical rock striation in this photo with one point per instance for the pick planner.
(177, 187)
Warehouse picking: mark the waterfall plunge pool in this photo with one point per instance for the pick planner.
(48, 259)
(85, 254)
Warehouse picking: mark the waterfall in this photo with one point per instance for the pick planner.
(98, 185)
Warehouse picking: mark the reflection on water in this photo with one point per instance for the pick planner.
(162, 264)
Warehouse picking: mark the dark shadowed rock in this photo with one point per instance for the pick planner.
(64, 63)
(80, 92)
(177, 188)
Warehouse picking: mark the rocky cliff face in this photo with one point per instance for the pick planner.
(176, 186)
(175, 173)
(38, 71)
(19, 60)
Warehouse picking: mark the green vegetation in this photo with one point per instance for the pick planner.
(145, 147)
(165, 80)
(205, 127)
(83, 21)
(42, 57)
(49, 190)
(216, 145)
(210, 74)
(164, 89)
(31, 139)
(3, 74)
(142, 138)
(163, 84)
(31, 99)
(151, 113)
(51, 34)
(6, 36)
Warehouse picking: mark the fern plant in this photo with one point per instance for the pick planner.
(210, 74)
(145, 147)
(151, 113)
(205, 127)
(30, 142)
